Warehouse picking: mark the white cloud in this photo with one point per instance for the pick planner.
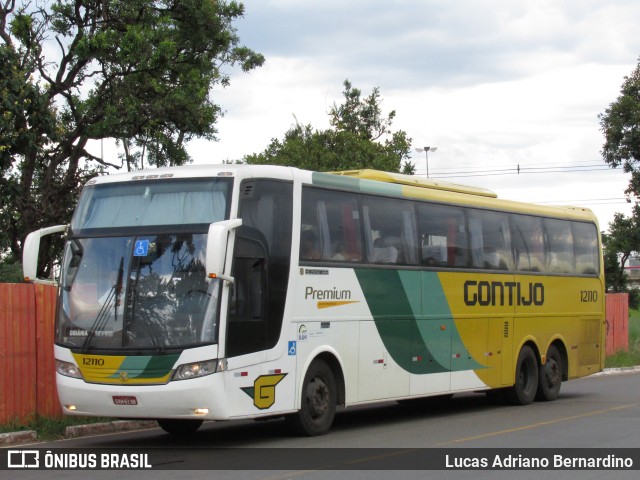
(491, 83)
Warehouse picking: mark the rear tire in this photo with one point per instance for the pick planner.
(526, 386)
(318, 402)
(550, 376)
(178, 426)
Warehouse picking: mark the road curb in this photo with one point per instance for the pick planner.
(73, 431)
(15, 438)
(618, 371)
(107, 427)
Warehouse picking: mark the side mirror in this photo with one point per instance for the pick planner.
(31, 249)
(217, 240)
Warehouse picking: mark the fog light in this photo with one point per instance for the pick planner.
(71, 408)
(201, 411)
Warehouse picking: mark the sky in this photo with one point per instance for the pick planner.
(492, 84)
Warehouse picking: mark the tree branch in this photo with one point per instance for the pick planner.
(99, 160)
(7, 8)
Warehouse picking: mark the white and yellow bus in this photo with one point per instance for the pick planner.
(232, 292)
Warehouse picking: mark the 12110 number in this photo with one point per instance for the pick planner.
(588, 296)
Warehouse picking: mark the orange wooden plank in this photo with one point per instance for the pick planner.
(17, 352)
(617, 314)
(47, 395)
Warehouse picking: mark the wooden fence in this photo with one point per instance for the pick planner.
(617, 322)
(27, 370)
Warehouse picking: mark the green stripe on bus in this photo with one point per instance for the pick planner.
(147, 366)
(413, 318)
(356, 184)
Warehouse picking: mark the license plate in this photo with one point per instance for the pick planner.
(125, 400)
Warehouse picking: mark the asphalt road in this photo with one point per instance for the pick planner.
(596, 412)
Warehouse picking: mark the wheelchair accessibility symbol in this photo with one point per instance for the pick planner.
(292, 348)
(141, 248)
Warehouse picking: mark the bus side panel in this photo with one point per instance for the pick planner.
(482, 306)
(329, 306)
(413, 318)
(257, 387)
(562, 309)
(380, 377)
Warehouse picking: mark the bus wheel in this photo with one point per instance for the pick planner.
(550, 376)
(319, 398)
(526, 386)
(179, 427)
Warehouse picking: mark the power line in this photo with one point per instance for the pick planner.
(522, 166)
(520, 170)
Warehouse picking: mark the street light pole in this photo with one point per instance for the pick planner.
(426, 151)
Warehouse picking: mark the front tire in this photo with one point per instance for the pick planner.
(526, 386)
(179, 427)
(550, 376)
(318, 402)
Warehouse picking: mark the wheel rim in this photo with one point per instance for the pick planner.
(552, 372)
(317, 398)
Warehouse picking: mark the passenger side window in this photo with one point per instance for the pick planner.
(490, 240)
(586, 248)
(527, 240)
(560, 240)
(390, 230)
(443, 236)
(330, 227)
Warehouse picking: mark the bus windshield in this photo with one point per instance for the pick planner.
(137, 292)
(133, 274)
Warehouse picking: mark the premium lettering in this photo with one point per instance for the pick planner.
(334, 294)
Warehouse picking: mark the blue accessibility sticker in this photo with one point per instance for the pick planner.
(141, 248)
(292, 348)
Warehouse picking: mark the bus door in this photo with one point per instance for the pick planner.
(259, 369)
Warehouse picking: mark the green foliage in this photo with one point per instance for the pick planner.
(10, 270)
(622, 240)
(361, 137)
(621, 127)
(140, 71)
(634, 299)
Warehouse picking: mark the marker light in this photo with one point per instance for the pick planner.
(67, 369)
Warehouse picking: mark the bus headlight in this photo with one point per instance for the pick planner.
(68, 369)
(195, 370)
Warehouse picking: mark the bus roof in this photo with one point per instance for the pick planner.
(396, 184)
(417, 182)
(373, 181)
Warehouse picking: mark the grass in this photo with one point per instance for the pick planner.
(632, 357)
(49, 428)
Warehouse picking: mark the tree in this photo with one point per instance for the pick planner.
(361, 137)
(621, 127)
(140, 71)
(622, 240)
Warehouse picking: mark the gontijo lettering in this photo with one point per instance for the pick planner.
(495, 293)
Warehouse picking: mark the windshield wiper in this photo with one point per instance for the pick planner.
(137, 314)
(112, 301)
